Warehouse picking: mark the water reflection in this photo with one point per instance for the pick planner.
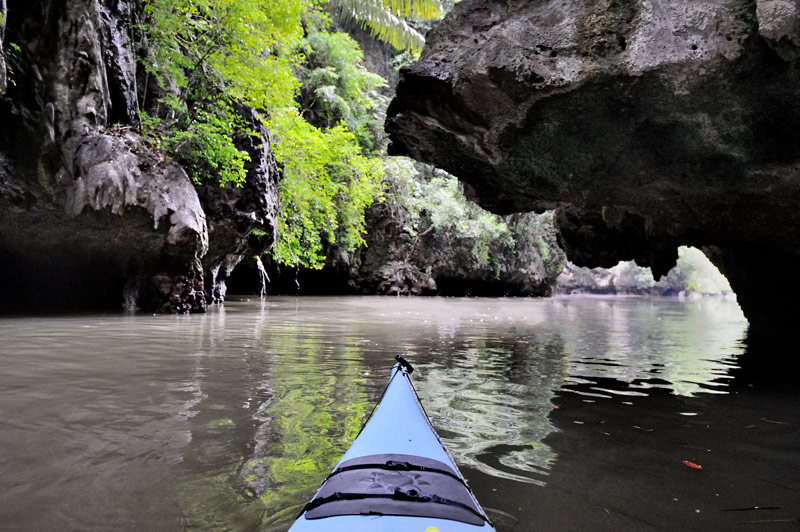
(231, 419)
(318, 402)
(490, 401)
(685, 347)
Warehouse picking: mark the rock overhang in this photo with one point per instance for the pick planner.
(646, 124)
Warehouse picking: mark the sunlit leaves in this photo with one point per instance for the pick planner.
(212, 57)
(208, 56)
(386, 19)
(336, 86)
(327, 185)
(206, 145)
(437, 203)
(246, 49)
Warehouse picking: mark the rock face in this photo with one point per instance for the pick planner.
(436, 262)
(90, 216)
(241, 221)
(646, 124)
(3, 72)
(431, 262)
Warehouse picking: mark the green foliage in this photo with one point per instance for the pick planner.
(12, 53)
(326, 187)
(206, 144)
(627, 277)
(643, 277)
(336, 87)
(541, 234)
(328, 181)
(212, 58)
(207, 57)
(450, 212)
(386, 19)
(243, 49)
(437, 203)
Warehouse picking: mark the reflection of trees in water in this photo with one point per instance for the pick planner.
(230, 420)
(489, 393)
(281, 403)
(316, 410)
(487, 372)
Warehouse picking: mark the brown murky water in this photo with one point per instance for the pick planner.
(566, 414)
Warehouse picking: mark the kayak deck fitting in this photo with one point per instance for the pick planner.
(396, 476)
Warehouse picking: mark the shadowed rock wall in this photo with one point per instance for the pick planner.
(3, 73)
(646, 124)
(90, 216)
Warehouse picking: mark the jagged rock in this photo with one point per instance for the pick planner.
(646, 123)
(3, 70)
(693, 276)
(241, 220)
(90, 216)
(436, 262)
(779, 24)
(399, 278)
(108, 176)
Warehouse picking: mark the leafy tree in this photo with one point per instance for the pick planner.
(450, 211)
(431, 200)
(336, 87)
(212, 57)
(327, 185)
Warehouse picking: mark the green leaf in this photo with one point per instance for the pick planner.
(385, 19)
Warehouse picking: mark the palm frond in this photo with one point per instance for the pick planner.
(385, 19)
(414, 9)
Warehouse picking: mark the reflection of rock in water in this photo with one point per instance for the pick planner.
(650, 343)
(488, 383)
(492, 411)
(254, 472)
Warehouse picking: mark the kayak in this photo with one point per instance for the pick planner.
(396, 476)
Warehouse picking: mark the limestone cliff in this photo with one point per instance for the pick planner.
(90, 215)
(438, 261)
(3, 73)
(645, 123)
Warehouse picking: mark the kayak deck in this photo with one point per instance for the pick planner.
(396, 475)
(395, 485)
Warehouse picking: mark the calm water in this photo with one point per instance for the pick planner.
(566, 414)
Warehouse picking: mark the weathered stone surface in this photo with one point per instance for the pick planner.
(108, 176)
(3, 72)
(241, 220)
(436, 262)
(646, 123)
(779, 23)
(90, 217)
